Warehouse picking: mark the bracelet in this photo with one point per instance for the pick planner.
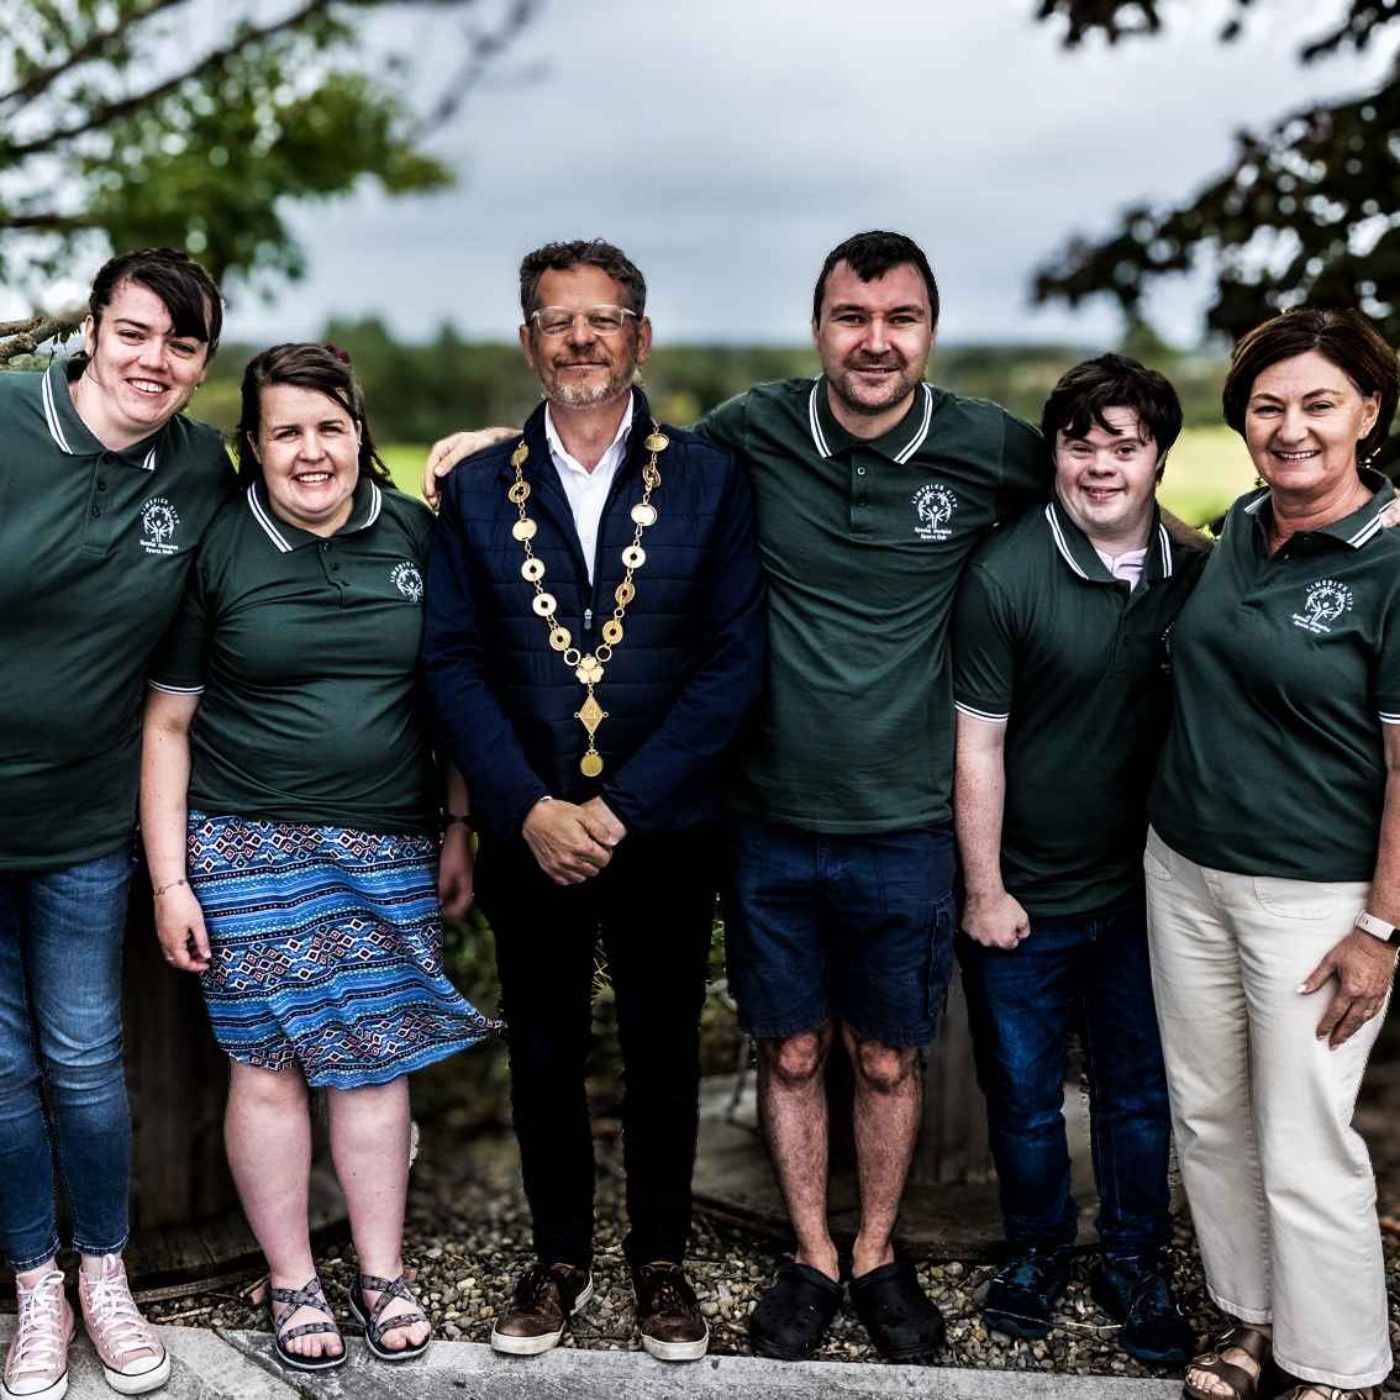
(156, 894)
(452, 818)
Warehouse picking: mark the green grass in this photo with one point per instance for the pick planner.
(405, 461)
(1207, 469)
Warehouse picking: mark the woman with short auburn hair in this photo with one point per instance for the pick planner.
(297, 845)
(1273, 867)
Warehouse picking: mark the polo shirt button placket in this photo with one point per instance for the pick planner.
(860, 499)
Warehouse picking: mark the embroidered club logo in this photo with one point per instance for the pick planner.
(159, 522)
(406, 578)
(934, 506)
(1326, 601)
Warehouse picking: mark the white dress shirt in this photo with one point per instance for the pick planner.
(588, 490)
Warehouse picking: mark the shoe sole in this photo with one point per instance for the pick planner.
(54, 1392)
(546, 1341)
(770, 1352)
(293, 1362)
(676, 1351)
(138, 1385)
(1025, 1328)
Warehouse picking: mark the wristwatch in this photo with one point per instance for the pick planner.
(1378, 928)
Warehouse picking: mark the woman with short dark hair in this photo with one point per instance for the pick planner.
(106, 489)
(1273, 866)
(295, 837)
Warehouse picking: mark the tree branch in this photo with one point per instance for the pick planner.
(89, 49)
(47, 222)
(486, 47)
(114, 111)
(25, 337)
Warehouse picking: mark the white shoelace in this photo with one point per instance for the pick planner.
(114, 1311)
(39, 1339)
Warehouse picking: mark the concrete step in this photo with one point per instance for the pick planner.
(241, 1366)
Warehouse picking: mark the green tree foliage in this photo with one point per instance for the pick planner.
(421, 391)
(1307, 211)
(197, 123)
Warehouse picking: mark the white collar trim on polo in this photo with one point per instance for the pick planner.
(148, 462)
(823, 447)
(267, 520)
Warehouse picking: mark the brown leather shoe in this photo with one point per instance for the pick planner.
(668, 1317)
(544, 1300)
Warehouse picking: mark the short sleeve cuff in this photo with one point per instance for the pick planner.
(992, 714)
(171, 688)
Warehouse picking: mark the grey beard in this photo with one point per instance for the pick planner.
(580, 396)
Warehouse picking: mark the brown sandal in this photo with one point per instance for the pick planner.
(1315, 1390)
(1257, 1345)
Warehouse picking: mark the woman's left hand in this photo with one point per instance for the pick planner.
(455, 871)
(1363, 967)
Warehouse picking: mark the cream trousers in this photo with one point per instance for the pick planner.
(1279, 1181)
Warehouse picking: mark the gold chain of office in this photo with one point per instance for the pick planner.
(587, 666)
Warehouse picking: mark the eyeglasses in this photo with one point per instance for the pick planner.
(602, 320)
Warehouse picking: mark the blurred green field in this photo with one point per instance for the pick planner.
(1207, 469)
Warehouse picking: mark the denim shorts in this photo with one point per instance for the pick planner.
(856, 929)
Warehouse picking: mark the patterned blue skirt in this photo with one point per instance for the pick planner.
(326, 948)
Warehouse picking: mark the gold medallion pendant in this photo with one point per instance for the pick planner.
(588, 667)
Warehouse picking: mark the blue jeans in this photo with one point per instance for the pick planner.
(1089, 972)
(61, 1036)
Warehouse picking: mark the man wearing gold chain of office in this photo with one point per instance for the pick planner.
(594, 639)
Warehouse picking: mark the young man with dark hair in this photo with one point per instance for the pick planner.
(873, 489)
(1061, 655)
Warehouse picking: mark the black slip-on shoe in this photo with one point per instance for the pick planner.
(793, 1314)
(1022, 1295)
(902, 1320)
(1135, 1291)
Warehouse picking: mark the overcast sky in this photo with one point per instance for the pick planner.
(727, 145)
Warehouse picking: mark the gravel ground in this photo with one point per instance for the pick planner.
(468, 1231)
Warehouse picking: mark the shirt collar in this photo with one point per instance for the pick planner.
(1083, 560)
(1356, 529)
(616, 449)
(71, 435)
(367, 502)
(899, 444)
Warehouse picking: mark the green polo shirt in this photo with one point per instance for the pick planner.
(864, 544)
(305, 653)
(1073, 661)
(1285, 670)
(95, 547)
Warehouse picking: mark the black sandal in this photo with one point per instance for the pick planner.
(312, 1295)
(369, 1318)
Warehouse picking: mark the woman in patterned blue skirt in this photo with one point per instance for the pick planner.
(292, 829)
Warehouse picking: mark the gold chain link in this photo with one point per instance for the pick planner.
(587, 667)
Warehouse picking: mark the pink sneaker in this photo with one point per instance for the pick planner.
(37, 1365)
(133, 1358)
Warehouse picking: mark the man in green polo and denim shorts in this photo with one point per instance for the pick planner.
(873, 489)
